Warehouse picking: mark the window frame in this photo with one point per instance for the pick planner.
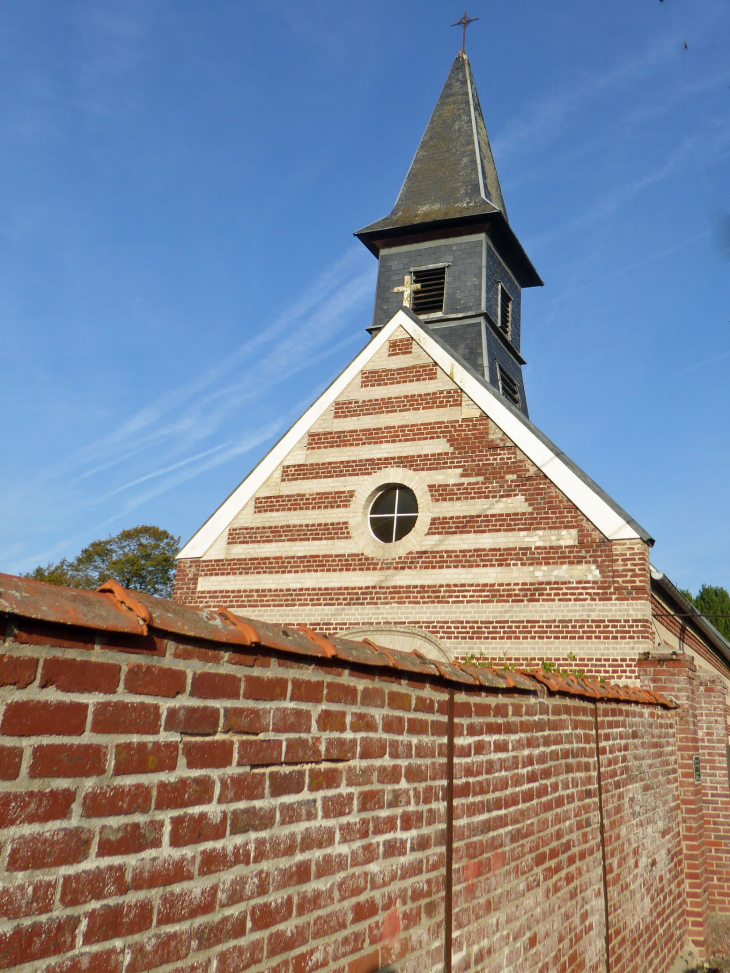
(422, 269)
(501, 371)
(502, 293)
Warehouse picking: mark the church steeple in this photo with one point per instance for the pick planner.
(450, 233)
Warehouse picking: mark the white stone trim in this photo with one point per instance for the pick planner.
(360, 531)
(388, 577)
(486, 541)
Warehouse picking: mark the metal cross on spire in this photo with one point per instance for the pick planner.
(464, 22)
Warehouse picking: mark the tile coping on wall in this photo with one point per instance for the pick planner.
(121, 619)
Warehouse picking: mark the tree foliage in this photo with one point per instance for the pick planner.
(142, 558)
(714, 602)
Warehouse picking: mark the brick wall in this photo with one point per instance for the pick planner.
(205, 808)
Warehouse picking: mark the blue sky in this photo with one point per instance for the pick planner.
(179, 184)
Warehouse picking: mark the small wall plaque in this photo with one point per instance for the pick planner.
(697, 769)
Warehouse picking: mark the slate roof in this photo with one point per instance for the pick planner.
(453, 173)
(453, 178)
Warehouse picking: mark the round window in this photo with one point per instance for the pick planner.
(394, 513)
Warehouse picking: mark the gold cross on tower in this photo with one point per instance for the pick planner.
(464, 22)
(407, 289)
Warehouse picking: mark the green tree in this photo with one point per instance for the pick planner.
(142, 558)
(715, 601)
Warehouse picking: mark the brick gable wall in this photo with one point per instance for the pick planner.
(507, 568)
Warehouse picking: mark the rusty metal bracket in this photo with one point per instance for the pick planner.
(329, 648)
(247, 632)
(127, 601)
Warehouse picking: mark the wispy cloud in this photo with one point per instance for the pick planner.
(546, 120)
(192, 428)
(700, 364)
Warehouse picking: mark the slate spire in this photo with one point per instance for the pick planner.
(447, 251)
(453, 174)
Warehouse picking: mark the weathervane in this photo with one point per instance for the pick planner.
(464, 22)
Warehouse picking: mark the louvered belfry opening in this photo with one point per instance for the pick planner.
(505, 312)
(430, 298)
(508, 386)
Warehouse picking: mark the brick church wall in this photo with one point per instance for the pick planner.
(170, 803)
(508, 567)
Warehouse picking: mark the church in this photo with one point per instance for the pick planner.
(415, 503)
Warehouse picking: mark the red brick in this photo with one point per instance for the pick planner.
(182, 905)
(221, 858)
(144, 758)
(242, 786)
(311, 959)
(94, 884)
(286, 940)
(241, 957)
(317, 836)
(303, 751)
(39, 717)
(264, 915)
(286, 876)
(340, 748)
(204, 754)
(184, 792)
(193, 720)
(325, 778)
(114, 799)
(69, 760)
(154, 951)
(245, 819)
(18, 671)
(341, 692)
(369, 963)
(283, 782)
(33, 807)
(155, 872)
(194, 829)
(51, 849)
(207, 935)
(10, 761)
(99, 961)
(216, 685)
(372, 696)
(27, 898)
(400, 700)
(246, 719)
(147, 680)
(363, 723)
(332, 721)
(290, 719)
(26, 944)
(255, 752)
(241, 888)
(122, 717)
(197, 653)
(270, 688)
(130, 838)
(80, 675)
(118, 920)
(307, 690)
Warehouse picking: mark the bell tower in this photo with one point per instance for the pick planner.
(447, 250)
